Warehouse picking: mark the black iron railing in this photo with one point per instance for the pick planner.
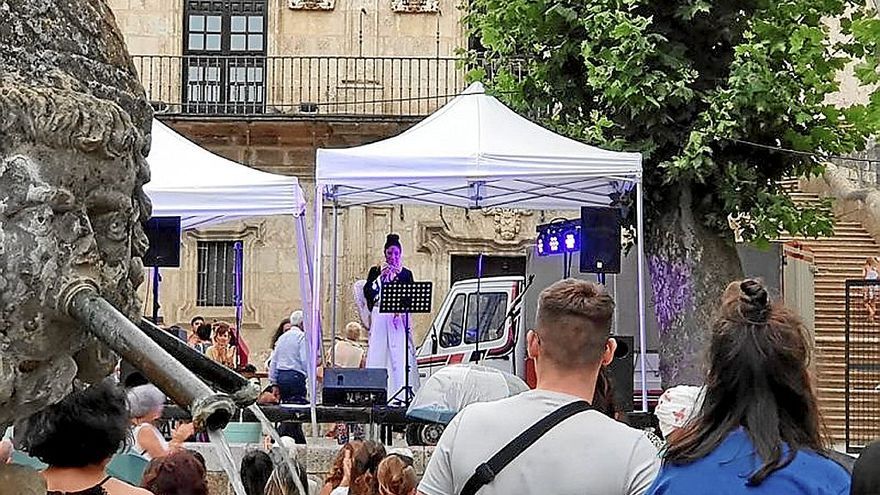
(302, 85)
(862, 356)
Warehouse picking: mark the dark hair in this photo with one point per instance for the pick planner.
(392, 240)
(178, 473)
(574, 322)
(758, 380)
(256, 468)
(222, 328)
(196, 318)
(87, 427)
(603, 398)
(204, 331)
(279, 331)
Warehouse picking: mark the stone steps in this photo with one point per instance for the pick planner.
(836, 259)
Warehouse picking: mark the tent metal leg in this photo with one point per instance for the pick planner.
(313, 316)
(333, 281)
(643, 341)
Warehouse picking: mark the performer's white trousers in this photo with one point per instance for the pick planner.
(386, 350)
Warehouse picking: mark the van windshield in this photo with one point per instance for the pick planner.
(492, 307)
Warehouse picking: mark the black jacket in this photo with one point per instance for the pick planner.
(405, 276)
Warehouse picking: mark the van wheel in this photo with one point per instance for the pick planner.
(423, 434)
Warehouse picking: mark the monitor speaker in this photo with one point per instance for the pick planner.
(355, 386)
(600, 240)
(622, 368)
(164, 236)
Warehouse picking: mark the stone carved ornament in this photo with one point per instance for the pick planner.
(415, 6)
(311, 4)
(75, 126)
(508, 222)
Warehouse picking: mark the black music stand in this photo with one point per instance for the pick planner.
(412, 297)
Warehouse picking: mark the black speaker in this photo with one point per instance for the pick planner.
(355, 386)
(622, 368)
(164, 236)
(600, 240)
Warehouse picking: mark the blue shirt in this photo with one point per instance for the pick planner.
(726, 470)
(291, 353)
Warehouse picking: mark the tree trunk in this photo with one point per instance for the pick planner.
(689, 266)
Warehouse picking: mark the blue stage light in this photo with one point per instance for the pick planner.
(558, 237)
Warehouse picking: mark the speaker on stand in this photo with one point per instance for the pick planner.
(600, 241)
(164, 251)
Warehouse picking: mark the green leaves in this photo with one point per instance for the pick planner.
(686, 82)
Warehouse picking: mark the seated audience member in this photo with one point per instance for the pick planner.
(222, 351)
(270, 395)
(192, 337)
(203, 333)
(77, 437)
(866, 473)
(396, 477)
(256, 468)
(587, 453)
(758, 430)
(348, 350)
(146, 403)
(355, 470)
(178, 473)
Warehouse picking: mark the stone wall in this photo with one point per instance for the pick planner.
(365, 27)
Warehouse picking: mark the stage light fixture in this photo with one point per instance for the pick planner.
(558, 237)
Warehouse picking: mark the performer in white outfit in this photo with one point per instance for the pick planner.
(389, 338)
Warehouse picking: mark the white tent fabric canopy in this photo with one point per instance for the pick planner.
(476, 152)
(203, 188)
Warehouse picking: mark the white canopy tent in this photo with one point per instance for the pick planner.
(477, 153)
(204, 189)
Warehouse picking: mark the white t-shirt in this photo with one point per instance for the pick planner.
(587, 454)
(137, 448)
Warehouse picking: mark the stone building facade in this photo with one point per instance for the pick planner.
(336, 73)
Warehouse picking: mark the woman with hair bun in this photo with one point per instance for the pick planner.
(758, 430)
(389, 335)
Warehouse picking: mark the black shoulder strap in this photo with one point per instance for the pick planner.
(486, 472)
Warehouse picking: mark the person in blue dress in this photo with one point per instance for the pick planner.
(758, 430)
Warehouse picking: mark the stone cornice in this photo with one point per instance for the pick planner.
(434, 238)
(311, 4)
(415, 6)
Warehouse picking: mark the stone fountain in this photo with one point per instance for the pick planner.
(74, 134)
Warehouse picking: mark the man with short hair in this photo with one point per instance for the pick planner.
(192, 338)
(587, 453)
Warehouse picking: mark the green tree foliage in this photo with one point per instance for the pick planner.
(685, 83)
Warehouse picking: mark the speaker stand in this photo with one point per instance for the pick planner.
(156, 280)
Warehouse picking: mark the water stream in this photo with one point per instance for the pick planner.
(289, 457)
(221, 447)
